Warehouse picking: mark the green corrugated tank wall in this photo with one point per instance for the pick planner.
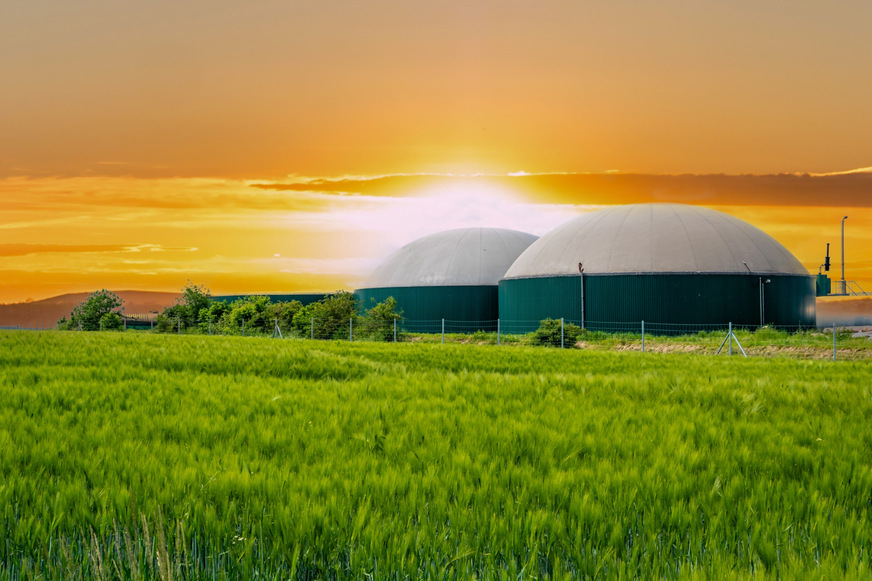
(464, 308)
(686, 301)
(305, 298)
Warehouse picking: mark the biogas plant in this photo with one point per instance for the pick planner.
(659, 263)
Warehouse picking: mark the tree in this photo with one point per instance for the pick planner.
(193, 300)
(186, 310)
(378, 322)
(88, 314)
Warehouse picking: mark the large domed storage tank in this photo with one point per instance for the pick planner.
(661, 263)
(451, 275)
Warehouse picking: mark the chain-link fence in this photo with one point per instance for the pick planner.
(831, 341)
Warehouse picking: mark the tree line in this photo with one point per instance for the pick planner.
(196, 311)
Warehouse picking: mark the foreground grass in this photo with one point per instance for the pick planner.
(139, 456)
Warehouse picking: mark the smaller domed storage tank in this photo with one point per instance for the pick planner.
(451, 275)
(682, 267)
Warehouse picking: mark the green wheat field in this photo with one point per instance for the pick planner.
(138, 456)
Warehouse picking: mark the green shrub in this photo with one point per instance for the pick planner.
(378, 323)
(548, 333)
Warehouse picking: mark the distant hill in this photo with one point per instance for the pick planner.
(845, 311)
(45, 313)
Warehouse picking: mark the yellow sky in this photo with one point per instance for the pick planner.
(131, 133)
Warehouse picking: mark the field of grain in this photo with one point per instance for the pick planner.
(143, 456)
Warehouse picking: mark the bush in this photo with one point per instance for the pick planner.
(214, 314)
(378, 322)
(548, 333)
(331, 316)
(168, 320)
(112, 322)
(284, 312)
(88, 314)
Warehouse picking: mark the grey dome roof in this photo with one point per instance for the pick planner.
(658, 238)
(464, 257)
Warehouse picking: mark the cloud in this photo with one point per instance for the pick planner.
(7, 250)
(851, 188)
(72, 195)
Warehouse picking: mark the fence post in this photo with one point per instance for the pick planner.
(561, 332)
(312, 335)
(834, 340)
(125, 323)
(243, 327)
(395, 330)
(498, 332)
(179, 330)
(443, 331)
(730, 338)
(351, 330)
(210, 325)
(643, 336)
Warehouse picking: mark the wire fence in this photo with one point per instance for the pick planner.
(556, 333)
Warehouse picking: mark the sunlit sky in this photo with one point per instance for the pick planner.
(289, 146)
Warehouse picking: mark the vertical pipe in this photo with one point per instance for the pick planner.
(351, 330)
(210, 325)
(443, 331)
(582, 299)
(498, 332)
(561, 332)
(243, 327)
(834, 340)
(643, 336)
(179, 330)
(312, 335)
(844, 287)
(395, 330)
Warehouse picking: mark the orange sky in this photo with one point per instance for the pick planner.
(132, 133)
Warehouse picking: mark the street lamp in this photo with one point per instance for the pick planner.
(763, 299)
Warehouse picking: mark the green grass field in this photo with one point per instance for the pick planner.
(142, 456)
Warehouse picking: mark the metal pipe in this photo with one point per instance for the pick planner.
(643, 336)
(844, 288)
(581, 278)
(760, 292)
(561, 332)
(498, 332)
(834, 340)
(443, 331)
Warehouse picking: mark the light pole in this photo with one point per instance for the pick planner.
(763, 300)
(844, 286)
(581, 278)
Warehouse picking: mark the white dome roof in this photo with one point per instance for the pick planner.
(655, 238)
(464, 257)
